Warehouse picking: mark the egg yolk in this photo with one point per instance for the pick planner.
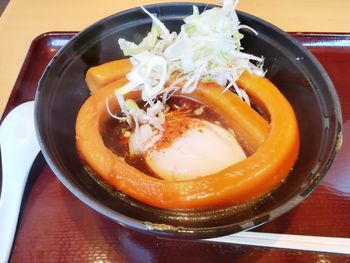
(191, 148)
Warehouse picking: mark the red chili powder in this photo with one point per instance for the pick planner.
(176, 124)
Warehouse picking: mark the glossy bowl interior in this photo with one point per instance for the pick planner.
(290, 67)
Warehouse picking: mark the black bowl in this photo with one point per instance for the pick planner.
(291, 67)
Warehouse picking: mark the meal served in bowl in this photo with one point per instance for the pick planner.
(188, 121)
(218, 128)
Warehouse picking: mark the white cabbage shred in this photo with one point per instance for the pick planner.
(207, 48)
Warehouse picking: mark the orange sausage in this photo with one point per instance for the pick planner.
(101, 75)
(251, 178)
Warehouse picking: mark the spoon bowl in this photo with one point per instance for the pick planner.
(19, 148)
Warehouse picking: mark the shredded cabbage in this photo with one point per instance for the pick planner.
(207, 48)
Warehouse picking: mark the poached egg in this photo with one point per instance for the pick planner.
(191, 148)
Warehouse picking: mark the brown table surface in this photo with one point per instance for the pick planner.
(55, 226)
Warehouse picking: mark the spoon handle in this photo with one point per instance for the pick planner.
(10, 203)
(19, 148)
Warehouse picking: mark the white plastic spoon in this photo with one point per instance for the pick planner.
(19, 147)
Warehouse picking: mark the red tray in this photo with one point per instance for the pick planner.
(56, 226)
